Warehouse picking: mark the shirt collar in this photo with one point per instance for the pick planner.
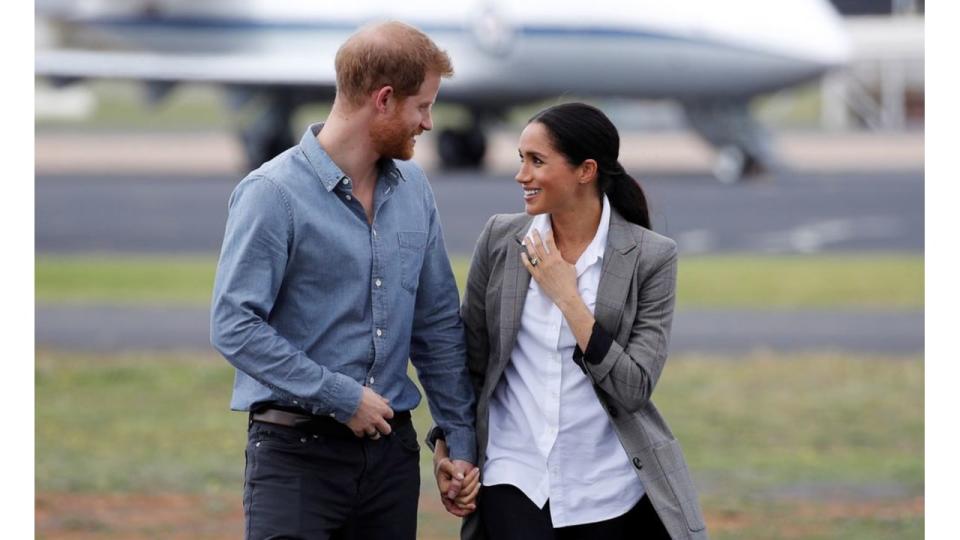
(595, 249)
(328, 172)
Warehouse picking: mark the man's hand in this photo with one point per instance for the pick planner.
(457, 480)
(371, 417)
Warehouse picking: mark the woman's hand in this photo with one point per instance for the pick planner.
(557, 278)
(457, 480)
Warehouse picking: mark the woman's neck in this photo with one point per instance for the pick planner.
(574, 229)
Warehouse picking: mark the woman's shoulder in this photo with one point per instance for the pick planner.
(655, 248)
(502, 227)
(628, 233)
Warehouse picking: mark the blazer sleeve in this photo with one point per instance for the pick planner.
(628, 372)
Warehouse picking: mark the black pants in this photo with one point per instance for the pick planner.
(508, 514)
(301, 484)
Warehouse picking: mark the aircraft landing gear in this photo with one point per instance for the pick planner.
(743, 147)
(462, 149)
(269, 134)
(733, 165)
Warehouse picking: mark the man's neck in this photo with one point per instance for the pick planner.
(348, 144)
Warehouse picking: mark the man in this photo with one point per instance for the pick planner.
(332, 274)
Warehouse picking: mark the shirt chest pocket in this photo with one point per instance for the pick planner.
(412, 246)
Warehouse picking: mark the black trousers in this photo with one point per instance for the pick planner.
(305, 484)
(508, 514)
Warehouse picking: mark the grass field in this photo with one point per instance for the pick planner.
(842, 281)
(782, 446)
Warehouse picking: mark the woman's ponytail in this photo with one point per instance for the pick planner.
(625, 194)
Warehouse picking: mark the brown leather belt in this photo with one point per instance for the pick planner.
(317, 424)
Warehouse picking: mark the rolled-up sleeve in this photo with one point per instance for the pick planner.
(253, 259)
(437, 345)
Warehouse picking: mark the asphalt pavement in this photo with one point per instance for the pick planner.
(129, 209)
(112, 329)
(793, 213)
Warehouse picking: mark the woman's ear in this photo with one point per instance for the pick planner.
(588, 171)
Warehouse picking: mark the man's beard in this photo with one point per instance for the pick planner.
(391, 139)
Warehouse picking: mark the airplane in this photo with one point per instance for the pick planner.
(711, 57)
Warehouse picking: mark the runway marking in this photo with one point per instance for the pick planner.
(815, 236)
(696, 241)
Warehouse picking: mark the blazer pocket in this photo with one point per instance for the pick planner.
(411, 258)
(675, 470)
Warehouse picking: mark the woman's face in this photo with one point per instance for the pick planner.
(550, 183)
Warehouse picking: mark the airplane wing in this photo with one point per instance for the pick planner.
(246, 69)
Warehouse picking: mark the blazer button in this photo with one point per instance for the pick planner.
(637, 464)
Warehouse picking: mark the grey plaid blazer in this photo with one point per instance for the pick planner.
(635, 305)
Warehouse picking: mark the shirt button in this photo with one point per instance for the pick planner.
(346, 181)
(349, 198)
(379, 332)
(374, 232)
(333, 415)
(295, 402)
(377, 283)
(371, 380)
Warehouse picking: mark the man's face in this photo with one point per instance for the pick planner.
(394, 133)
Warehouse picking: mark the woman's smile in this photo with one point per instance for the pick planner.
(530, 193)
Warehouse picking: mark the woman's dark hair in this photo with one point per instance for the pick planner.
(581, 132)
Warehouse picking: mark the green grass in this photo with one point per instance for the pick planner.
(872, 281)
(843, 281)
(159, 280)
(781, 446)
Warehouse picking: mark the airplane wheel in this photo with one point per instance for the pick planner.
(461, 148)
(260, 149)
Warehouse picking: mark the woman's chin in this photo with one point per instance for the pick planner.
(532, 209)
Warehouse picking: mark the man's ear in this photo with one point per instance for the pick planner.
(382, 98)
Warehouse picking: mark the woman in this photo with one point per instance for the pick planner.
(564, 364)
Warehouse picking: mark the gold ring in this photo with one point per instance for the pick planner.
(534, 261)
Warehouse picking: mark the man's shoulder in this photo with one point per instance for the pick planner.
(282, 168)
(411, 172)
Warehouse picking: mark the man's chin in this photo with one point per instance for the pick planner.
(404, 155)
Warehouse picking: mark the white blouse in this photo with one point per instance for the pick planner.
(549, 435)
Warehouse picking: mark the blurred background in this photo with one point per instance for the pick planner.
(780, 143)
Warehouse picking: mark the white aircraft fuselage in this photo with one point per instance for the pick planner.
(504, 53)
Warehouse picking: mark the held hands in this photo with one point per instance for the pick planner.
(556, 277)
(457, 480)
(371, 417)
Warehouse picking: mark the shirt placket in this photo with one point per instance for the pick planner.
(379, 296)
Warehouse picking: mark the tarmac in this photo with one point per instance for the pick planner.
(205, 153)
(167, 192)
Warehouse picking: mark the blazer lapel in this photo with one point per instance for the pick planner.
(513, 294)
(619, 268)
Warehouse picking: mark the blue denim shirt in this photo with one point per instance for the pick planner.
(311, 302)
